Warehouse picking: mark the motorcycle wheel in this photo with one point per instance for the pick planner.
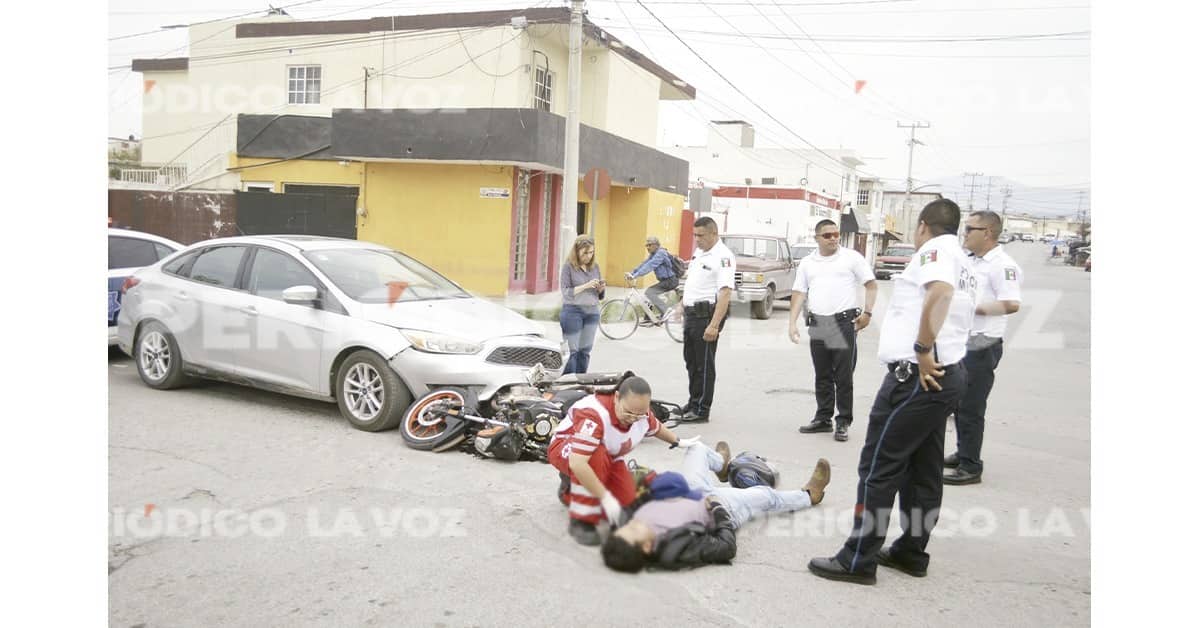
(420, 430)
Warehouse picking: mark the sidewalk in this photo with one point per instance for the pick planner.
(543, 306)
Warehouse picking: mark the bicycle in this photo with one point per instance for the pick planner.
(619, 318)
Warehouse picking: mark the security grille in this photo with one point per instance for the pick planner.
(526, 356)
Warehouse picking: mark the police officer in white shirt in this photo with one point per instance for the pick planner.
(999, 295)
(706, 293)
(828, 280)
(922, 342)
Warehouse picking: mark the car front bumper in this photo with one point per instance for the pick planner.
(500, 363)
(749, 292)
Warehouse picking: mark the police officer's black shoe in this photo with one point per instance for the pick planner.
(817, 425)
(584, 533)
(951, 461)
(831, 569)
(885, 558)
(958, 477)
(693, 417)
(841, 433)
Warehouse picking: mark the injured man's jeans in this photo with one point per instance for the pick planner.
(700, 465)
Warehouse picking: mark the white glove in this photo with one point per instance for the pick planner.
(612, 508)
(689, 442)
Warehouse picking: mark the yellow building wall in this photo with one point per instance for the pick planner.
(633, 215)
(598, 212)
(434, 213)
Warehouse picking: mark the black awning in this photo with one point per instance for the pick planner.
(849, 223)
(892, 235)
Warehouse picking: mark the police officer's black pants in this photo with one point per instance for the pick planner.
(834, 349)
(700, 358)
(902, 454)
(981, 363)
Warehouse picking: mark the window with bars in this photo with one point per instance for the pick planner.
(544, 237)
(304, 85)
(864, 198)
(543, 84)
(521, 236)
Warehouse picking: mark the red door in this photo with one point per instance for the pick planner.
(534, 231)
(686, 240)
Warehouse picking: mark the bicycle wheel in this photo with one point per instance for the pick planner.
(618, 319)
(674, 324)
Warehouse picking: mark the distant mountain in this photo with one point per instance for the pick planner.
(1041, 201)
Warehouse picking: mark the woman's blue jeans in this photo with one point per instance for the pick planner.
(579, 326)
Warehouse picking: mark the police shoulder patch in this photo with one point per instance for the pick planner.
(928, 257)
(726, 262)
(1010, 273)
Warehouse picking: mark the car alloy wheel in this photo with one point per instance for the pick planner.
(363, 392)
(154, 353)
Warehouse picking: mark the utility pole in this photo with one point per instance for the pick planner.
(570, 190)
(1007, 193)
(366, 75)
(989, 194)
(908, 187)
(971, 201)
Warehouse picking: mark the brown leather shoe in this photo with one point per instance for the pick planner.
(723, 449)
(819, 480)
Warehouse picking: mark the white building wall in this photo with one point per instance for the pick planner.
(784, 218)
(410, 70)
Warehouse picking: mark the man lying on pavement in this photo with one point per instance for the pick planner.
(690, 521)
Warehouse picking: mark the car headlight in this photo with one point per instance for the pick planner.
(756, 278)
(430, 342)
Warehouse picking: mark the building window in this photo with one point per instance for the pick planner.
(768, 180)
(864, 198)
(304, 85)
(543, 84)
(521, 228)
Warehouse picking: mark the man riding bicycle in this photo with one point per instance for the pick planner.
(659, 261)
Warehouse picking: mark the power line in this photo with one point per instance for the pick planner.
(739, 90)
(221, 19)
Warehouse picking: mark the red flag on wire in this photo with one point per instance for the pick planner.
(858, 85)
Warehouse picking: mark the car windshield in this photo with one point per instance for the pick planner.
(753, 247)
(802, 251)
(898, 252)
(379, 276)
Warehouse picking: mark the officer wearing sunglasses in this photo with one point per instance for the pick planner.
(827, 281)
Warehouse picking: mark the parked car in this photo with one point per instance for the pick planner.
(765, 271)
(1027, 237)
(128, 251)
(893, 260)
(1047, 238)
(1005, 238)
(337, 320)
(801, 251)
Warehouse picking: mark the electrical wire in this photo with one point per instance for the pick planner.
(743, 94)
(220, 19)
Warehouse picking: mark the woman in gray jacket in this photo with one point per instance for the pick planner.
(582, 290)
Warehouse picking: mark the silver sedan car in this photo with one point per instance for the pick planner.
(338, 320)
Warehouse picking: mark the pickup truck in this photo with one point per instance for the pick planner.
(765, 271)
(893, 260)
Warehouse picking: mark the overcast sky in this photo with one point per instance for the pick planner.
(1005, 91)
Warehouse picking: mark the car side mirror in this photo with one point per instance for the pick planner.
(300, 295)
(795, 263)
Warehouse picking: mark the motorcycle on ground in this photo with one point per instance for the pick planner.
(516, 424)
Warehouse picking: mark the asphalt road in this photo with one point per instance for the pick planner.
(231, 506)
